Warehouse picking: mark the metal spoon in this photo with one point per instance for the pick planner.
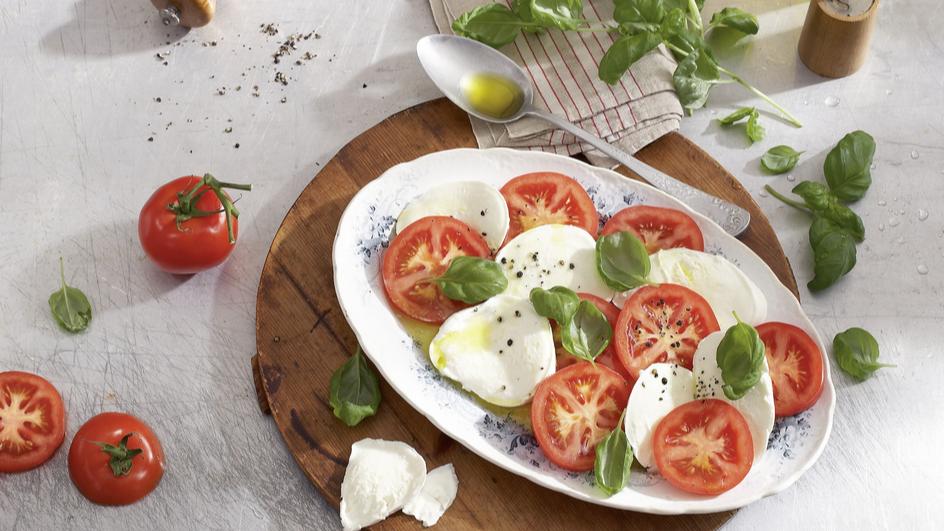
(447, 59)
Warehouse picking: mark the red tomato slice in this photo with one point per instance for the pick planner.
(573, 409)
(421, 253)
(796, 367)
(608, 357)
(703, 447)
(662, 323)
(657, 227)
(32, 421)
(543, 198)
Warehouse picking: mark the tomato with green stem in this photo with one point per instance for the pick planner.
(190, 224)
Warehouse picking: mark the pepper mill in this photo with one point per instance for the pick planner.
(835, 37)
(187, 13)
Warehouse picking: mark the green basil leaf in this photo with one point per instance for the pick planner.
(622, 260)
(848, 166)
(625, 51)
(70, 307)
(492, 24)
(834, 253)
(471, 279)
(355, 390)
(673, 23)
(737, 116)
(780, 159)
(823, 203)
(755, 131)
(614, 458)
(558, 303)
(856, 351)
(561, 14)
(734, 18)
(740, 356)
(682, 4)
(694, 77)
(588, 333)
(522, 8)
(636, 11)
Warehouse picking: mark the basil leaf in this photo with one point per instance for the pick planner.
(737, 116)
(780, 159)
(734, 18)
(614, 458)
(561, 14)
(848, 166)
(522, 8)
(492, 24)
(471, 279)
(834, 253)
(823, 203)
(622, 260)
(70, 307)
(673, 23)
(694, 77)
(355, 390)
(636, 11)
(624, 52)
(558, 303)
(587, 333)
(679, 31)
(856, 351)
(755, 131)
(683, 4)
(741, 359)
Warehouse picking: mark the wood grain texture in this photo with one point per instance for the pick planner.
(833, 45)
(302, 336)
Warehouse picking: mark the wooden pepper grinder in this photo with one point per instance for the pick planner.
(187, 13)
(835, 37)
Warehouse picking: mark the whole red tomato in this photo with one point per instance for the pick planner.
(115, 459)
(189, 224)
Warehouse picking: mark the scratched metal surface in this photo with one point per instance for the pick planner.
(78, 88)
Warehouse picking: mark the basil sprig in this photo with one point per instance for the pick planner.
(740, 356)
(70, 307)
(780, 159)
(736, 19)
(857, 353)
(355, 390)
(622, 260)
(585, 331)
(471, 279)
(753, 129)
(614, 457)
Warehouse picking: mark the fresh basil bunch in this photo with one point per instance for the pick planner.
(836, 228)
(740, 356)
(585, 332)
(614, 457)
(355, 390)
(471, 279)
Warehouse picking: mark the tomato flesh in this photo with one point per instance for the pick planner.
(703, 447)
(573, 409)
(796, 367)
(662, 323)
(608, 357)
(545, 198)
(657, 227)
(32, 421)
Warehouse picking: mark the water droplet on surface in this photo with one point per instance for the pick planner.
(872, 166)
(901, 212)
(831, 101)
(922, 269)
(900, 240)
(791, 177)
(888, 92)
(914, 154)
(882, 202)
(806, 102)
(893, 222)
(881, 227)
(923, 214)
(762, 193)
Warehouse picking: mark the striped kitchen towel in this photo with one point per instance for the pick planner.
(563, 68)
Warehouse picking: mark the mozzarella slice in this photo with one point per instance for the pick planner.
(474, 203)
(726, 288)
(660, 389)
(552, 255)
(435, 497)
(500, 350)
(380, 477)
(757, 405)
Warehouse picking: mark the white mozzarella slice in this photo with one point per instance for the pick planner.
(660, 389)
(380, 477)
(726, 288)
(552, 255)
(757, 405)
(500, 350)
(435, 497)
(474, 203)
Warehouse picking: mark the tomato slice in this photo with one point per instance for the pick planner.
(703, 447)
(32, 421)
(573, 409)
(420, 254)
(796, 367)
(657, 227)
(608, 357)
(543, 198)
(662, 323)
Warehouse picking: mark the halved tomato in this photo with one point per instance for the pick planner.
(32, 421)
(420, 254)
(543, 198)
(796, 367)
(608, 357)
(662, 323)
(657, 227)
(573, 409)
(703, 447)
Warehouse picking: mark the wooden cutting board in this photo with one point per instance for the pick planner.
(302, 336)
